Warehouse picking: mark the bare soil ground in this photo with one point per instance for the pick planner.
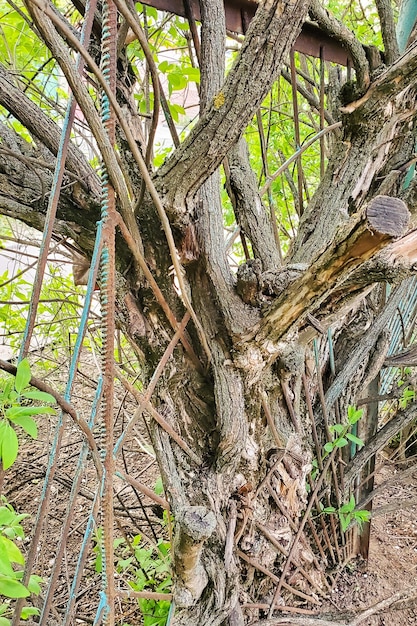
(392, 562)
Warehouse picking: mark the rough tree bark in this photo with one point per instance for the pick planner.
(244, 411)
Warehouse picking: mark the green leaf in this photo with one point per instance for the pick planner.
(28, 425)
(23, 375)
(6, 516)
(363, 515)
(42, 396)
(6, 391)
(12, 588)
(28, 611)
(164, 548)
(354, 414)
(329, 509)
(165, 66)
(328, 447)
(337, 428)
(33, 584)
(98, 566)
(349, 506)
(11, 550)
(4, 607)
(151, 12)
(341, 442)
(176, 81)
(193, 73)
(176, 111)
(18, 411)
(6, 568)
(355, 439)
(345, 521)
(9, 447)
(4, 621)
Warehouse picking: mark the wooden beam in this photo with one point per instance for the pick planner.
(311, 41)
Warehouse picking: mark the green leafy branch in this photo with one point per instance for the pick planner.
(11, 558)
(347, 514)
(15, 411)
(342, 431)
(342, 437)
(15, 394)
(145, 569)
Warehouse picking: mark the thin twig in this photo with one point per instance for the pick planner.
(294, 419)
(272, 576)
(286, 567)
(157, 417)
(295, 156)
(270, 420)
(143, 489)
(154, 380)
(193, 29)
(148, 595)
(230, 536)
(129, 13)
(265, 531)
(297, 133)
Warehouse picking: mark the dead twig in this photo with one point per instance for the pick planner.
(230, 536)
(254, 563)
(157, 417)
(144, 489)
(341, 619)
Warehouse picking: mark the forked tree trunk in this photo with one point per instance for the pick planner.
(244, 388)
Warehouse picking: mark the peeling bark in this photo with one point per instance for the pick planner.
(355, 243)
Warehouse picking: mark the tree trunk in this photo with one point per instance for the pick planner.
(248, 388)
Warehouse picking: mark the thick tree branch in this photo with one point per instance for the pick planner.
(404, 358)
(333, 27)
(46, 20)
(371, 143)
(230, 405)
(194, 525)
(250, 211)
(395, 79)
(268, 41)
(386, 17)
(363, 349)
(402, 478)
(42, 18)
(358, 240)
(43, 128)
(25, 182)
